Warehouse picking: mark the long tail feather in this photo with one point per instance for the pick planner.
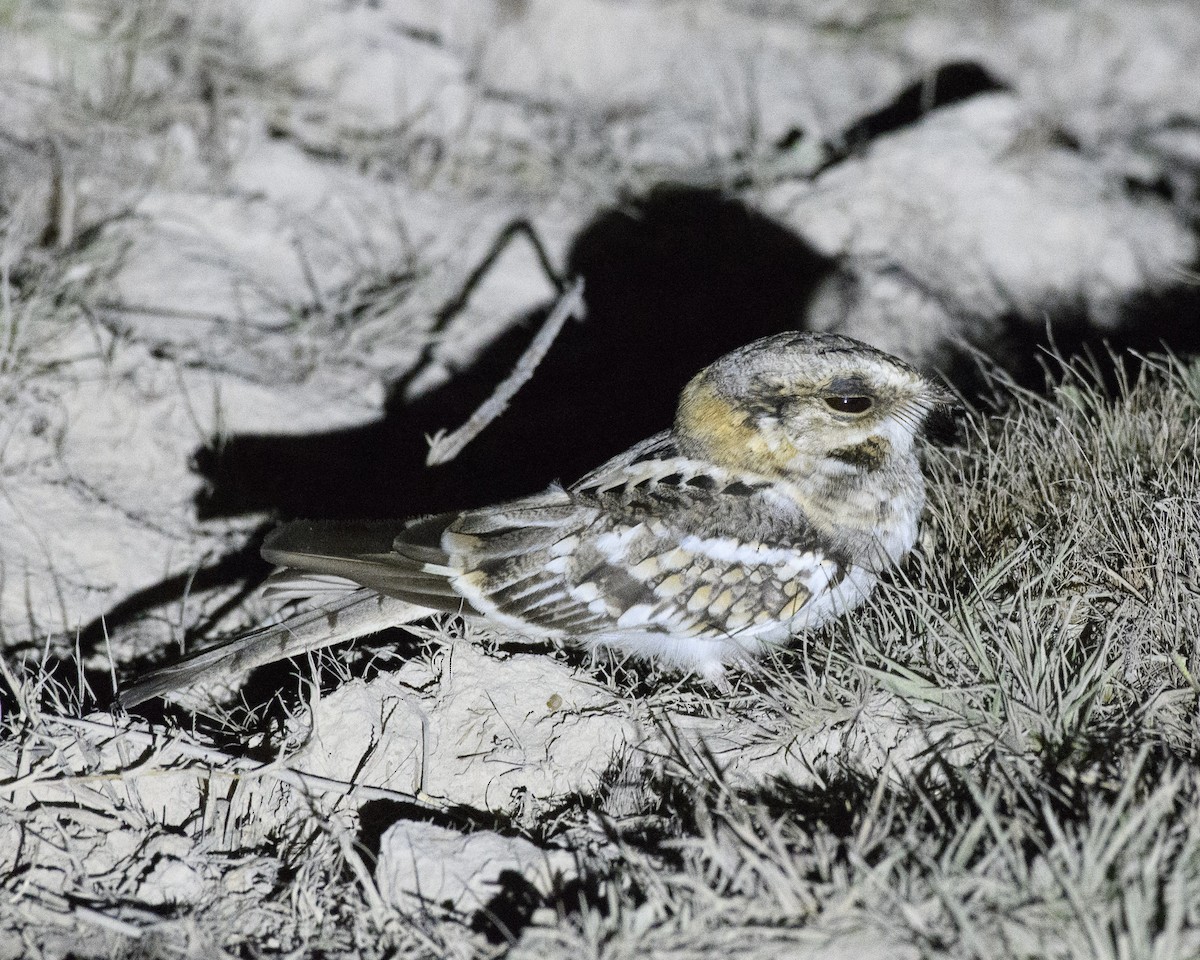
(358, 614)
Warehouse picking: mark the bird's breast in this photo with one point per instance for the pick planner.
(869, 516)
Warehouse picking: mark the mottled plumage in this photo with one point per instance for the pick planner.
(788, 482)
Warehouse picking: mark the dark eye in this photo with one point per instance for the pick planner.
(849, 404)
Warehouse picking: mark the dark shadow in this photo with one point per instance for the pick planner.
(949, 84)
(1167, 322)
(513, 900)
(672, 281)
(376, 816)
(244, 565)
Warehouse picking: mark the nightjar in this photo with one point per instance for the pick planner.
(788, 482)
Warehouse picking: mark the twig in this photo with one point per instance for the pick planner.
(444, 447)
(103, 920)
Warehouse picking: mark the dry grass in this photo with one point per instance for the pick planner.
(996, 757)
(1038, 661)
(1041, 657)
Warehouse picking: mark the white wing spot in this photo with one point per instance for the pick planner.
(728, 550)
(565, 546)
(585, 592)
(614, 544)
(636, 616)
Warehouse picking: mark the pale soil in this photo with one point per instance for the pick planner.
(222, 219)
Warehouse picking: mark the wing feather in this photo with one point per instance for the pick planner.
(650, 543)
(358, 553)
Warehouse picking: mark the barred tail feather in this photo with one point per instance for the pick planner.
(358, 614)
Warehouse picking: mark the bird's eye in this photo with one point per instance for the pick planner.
(849, 404)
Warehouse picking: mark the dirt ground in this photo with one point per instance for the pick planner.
(252, 256)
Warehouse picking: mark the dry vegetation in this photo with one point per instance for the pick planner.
(1038, 661)
(999, 756)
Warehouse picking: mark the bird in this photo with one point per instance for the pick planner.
(788, 483)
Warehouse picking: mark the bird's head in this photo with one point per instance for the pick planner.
(802, 402)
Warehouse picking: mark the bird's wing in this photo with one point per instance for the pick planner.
(509, 563)
(651, 542)
(702, 550)
(317, 552)
(658, 448)
(497, 561)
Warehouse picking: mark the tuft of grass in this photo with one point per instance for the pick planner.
(1036, 667)
(995, 757)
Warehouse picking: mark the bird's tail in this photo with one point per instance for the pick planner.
(357, 614)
